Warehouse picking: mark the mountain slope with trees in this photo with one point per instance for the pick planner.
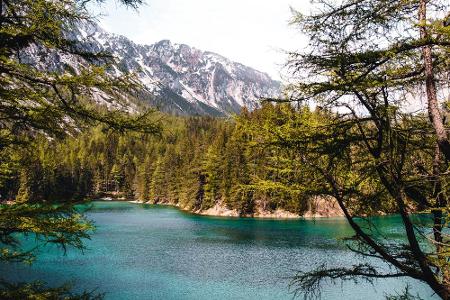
(197, 163)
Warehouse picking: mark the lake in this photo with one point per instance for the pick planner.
(144, 251)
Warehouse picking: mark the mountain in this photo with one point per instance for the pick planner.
(177, 78)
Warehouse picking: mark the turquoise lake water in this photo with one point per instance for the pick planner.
(151, 252)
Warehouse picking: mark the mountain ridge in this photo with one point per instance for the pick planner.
(179, 78)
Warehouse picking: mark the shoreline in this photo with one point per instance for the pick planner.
(278, 214)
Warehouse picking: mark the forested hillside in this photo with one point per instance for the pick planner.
(247, 163)
(196, 162)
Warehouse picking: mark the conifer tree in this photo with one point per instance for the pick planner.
(157, 183)
(364, 61)
(214, 168)
(34, 100)
(143, 179)
(24, 192)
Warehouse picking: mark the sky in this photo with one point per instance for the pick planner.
(253, 32)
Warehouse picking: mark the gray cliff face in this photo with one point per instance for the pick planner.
(177, 78)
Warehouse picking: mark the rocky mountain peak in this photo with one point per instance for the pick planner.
(178, 78)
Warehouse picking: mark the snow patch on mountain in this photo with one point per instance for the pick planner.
(176, 77)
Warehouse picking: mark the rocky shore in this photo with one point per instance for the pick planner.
(317, 208)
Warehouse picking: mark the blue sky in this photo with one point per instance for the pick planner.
(252, 32)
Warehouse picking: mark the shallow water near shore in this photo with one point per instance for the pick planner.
(142, 251)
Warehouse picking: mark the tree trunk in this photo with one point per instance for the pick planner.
(440, 288)
(430, 85)
(439, 217)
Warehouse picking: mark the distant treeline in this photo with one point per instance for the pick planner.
(242, 163)
(196, 162)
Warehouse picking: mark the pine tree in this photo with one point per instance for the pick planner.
(116, 177)
(214, 169)
(24, 193)
(157, 183)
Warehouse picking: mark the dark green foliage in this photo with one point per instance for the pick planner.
(58, 224)
(38, 101)
(198, 162)
(56, 101)
(37, 290)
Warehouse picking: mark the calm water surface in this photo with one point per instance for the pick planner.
(153, 252)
